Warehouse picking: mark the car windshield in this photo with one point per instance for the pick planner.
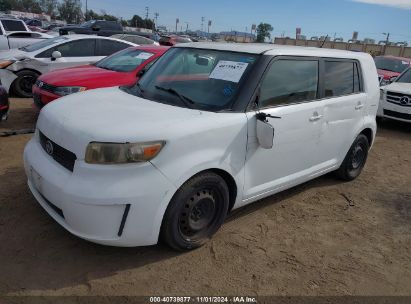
(196, 78)
(124, 61)
(391, 64)
(405, 77)
(42, 44)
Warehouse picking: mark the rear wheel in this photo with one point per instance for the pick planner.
(355, 159)
(196, 212)
(24, 82)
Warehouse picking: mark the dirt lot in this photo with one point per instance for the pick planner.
(322, 238)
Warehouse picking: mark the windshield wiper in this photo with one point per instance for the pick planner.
(186, 101)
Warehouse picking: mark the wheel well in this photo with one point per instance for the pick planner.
(232, 186)
(368, 133)
(22, 70)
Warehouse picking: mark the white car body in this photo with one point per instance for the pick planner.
(15, 40)
(395, 102)
(30, 61)
(310, 140)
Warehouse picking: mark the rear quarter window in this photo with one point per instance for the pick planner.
(341, 78)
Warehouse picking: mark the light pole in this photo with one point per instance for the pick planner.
(387, 40)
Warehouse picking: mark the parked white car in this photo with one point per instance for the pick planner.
(209, 128)
(395, 98)
(16, 40)
(19, 68)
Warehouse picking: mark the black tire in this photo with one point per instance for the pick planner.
(355, 159)
(23, 84)
(196, 211)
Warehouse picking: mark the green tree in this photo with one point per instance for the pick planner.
(70, 10)
(5, 5)
(49, 7)
(136, 21)
(263, 31)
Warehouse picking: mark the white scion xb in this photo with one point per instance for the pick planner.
(209, 127)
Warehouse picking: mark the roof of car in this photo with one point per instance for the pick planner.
(273, 49)
(395, 57)
(152, 48)
(82, 36)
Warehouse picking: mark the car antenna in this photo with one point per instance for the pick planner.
(325, 39)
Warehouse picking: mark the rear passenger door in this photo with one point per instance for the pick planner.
(344, 105)
(289, 90)
(106, 47)
(74, 53)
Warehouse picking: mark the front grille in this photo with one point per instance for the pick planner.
(393, 97)
(63, 156)
(45, 86)
(397, 114)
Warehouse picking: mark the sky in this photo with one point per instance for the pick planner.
(371, 18)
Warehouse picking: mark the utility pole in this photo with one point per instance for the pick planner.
(177, 21)
(388, 39)
(208, 30)
(156, 18)
(146, 12)
(202, 23)
(86, 11)
(186, 27)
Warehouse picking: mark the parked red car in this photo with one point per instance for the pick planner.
(173, 40)
(390, 66)
(120, 69)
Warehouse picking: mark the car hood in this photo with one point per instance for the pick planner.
(112, 115)
(88, 76)
(387, 74)
(399, 87)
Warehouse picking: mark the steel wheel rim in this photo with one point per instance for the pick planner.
(358, 157)
(199, 214)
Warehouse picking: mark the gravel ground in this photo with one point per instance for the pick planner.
(321, 238)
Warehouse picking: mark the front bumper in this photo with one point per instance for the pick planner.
(7, 77)
(112, 205)
(394, 111)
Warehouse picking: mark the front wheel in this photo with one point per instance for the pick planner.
(24, 82)
(196, 212)
(355, 159)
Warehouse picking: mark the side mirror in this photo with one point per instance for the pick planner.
(55, 55)
(265, 134)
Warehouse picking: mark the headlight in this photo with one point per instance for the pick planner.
(5, 63)
(113, 153)
(63, 91)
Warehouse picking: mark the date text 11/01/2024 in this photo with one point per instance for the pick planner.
(203, 299)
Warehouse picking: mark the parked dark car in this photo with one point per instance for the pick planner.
(4, 104)
(94, 27)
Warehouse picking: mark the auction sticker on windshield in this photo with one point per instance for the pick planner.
(229, 70)
(144, 56)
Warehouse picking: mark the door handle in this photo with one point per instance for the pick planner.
(359, 106)
(315, 117)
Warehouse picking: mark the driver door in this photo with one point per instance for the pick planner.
(289, 90)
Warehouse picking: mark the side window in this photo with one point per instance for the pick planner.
(341, 78)
(108, 47)
(76, 48)
(13, 25)
(289, 81)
